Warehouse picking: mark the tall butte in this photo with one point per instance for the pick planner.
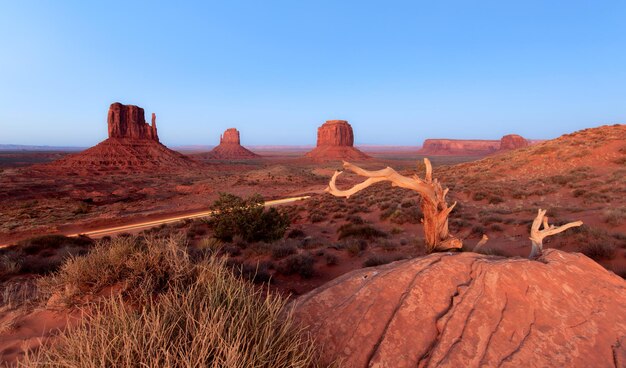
(132, 145)
(335, 141)
(230, 148)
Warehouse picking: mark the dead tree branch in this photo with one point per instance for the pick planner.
(537, 236)
(433, 203)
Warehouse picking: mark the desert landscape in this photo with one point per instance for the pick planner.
(498, 245)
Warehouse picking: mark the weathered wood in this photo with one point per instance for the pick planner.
(433, 203)
(537, 236)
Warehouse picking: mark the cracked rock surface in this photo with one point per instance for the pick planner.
(472, 310)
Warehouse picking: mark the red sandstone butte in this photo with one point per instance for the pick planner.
(513, 141)
(229, 148)
(471, 310)
(335, 141)
(132, 145)
(129, 121)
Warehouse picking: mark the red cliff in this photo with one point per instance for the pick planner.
(128, 121)
(335, 140)
(513, 141)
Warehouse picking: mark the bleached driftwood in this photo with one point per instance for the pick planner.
(433, 202)
(537, 236)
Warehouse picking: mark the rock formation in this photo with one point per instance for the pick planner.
(229, 148)
(132, 145)
(128, 121)
(335, 141)
(513, 141)
(459, 147)
(472, 147)
(470, 310)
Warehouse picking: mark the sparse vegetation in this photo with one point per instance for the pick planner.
(377, 260)
(247, 218)
(203, 316)
(301, 264)
(360, 231)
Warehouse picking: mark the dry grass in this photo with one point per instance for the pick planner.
(197, 315)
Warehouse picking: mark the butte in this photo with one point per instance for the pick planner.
(133, 145)
(335, 141)
(230, 148)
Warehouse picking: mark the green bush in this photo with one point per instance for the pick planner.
(247, 218)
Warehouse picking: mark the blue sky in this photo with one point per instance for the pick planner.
(400, 72)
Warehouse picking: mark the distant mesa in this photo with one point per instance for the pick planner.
(133, 144)
(335, 141)
(513, 141)
(230, 148)
(459, 147)
(472, 147)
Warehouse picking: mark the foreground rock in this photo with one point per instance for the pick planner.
(132, 145)
(471, 310)
(335, 141)
(230, 148)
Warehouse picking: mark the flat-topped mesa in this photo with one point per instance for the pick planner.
(513, 141)
(230, 136)
(129, 121)
(470, 147)
(335, 133)
(335, 141)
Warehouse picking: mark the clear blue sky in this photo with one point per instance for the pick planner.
(400, 72)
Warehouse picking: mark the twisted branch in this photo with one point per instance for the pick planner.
(537, 236)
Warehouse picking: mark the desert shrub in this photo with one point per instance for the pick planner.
(620, 271)
(355, 246)
(232, 250)
(331, 259)
(593, 242)
(377, 260)
(247, 218)
(355, 219)
(597, 250)
(141, 263)
(316, 217)
(295, 233)
(301, 264)
(495, 227)
(479, 196)
(495, 199)
(283, 250)
(14, 294)
(206, 316)
(360, 231)
(491, 252)
(614, 216)
(41, 255)
(491, 220)
(211, 245)
(403, 215)
(256, 272)
(478, 230)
